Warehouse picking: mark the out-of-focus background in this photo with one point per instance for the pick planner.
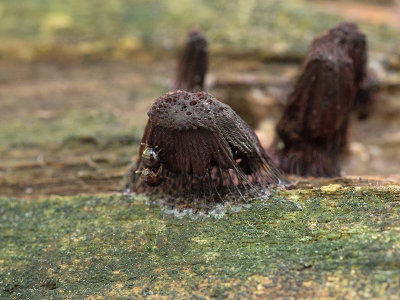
(77, 79)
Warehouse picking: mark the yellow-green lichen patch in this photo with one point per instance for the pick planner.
(331, 188)
(315, 242)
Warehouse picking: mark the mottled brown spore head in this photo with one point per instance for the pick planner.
(353, 41)
(193, 63)
(312, 133)
(205, 149)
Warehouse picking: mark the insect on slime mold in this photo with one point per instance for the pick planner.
(195, 145)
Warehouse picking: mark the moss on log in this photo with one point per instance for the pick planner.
(332, 241)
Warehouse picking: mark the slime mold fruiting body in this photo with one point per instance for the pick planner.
(193, 64)
(312, 133)
(201, 148)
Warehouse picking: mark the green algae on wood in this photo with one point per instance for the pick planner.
(328, 241)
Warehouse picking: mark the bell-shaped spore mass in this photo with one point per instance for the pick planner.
(205, 150)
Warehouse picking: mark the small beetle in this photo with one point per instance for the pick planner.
(150, 158)
(151, 173)
(151, 178)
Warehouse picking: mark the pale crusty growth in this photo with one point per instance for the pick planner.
(193, 63)
(205, 149)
